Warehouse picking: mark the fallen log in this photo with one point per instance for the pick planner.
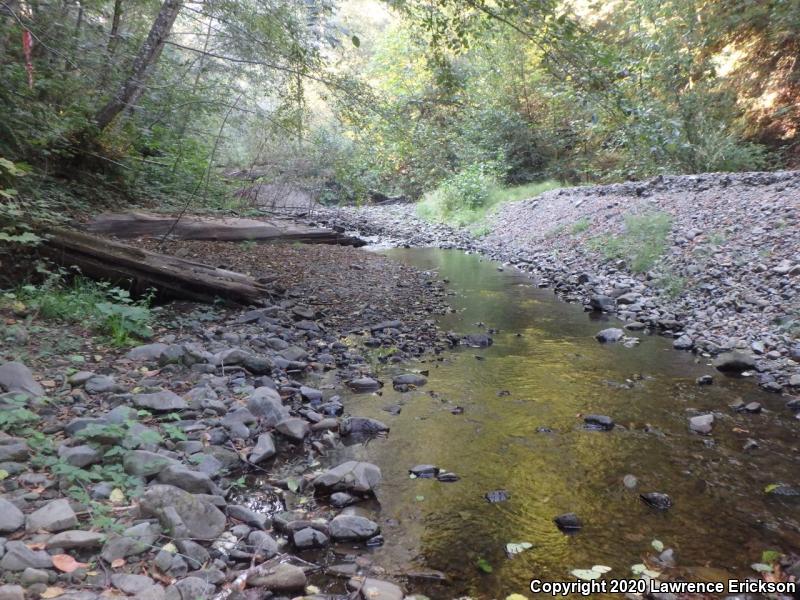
(139, 224)
(140, 270)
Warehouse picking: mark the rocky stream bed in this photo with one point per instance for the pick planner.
(206, 463)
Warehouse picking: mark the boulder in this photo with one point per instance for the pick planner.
(201, 519)
(702, 423)
(19, 557)
(348, 528)
(350, 476)
(76, 539)
(266, 403)
(280, 578)
(612, 334)
(145, 464)
(293, 428)
(163, 401)
(734, 362)
(264, 449)
(16, 377)
(56, 515)
(364, 384)
(11, 517)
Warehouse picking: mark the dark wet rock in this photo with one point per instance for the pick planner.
(362, 426)
(347, 528)
(568, 522)
(612, 334)
(134, 540)
(409, 379)
(656, 500)
(56, 515)
(145, 463)
(375, 589)
(11, 517)
(497, 496)
(293, 428)
(350, 476)
(247, 516)
(734, 362)
(310, 394)
(201, 519)
(308, 537)
(602, 303)
(424, 471)
(331, 408)
(704, 380)
(264, 449)
(477, 340)
(684, 342)
(16, 377)
(281, 578)
(262, 544)
(702, 423)
(266, 403)
(163, 401)
(364, 384)
(598, 422)
(76, 539)
(342, 499)
(19, 557)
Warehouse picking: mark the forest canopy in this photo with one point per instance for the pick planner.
(167, 101)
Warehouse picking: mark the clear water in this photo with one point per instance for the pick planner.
(545, 356)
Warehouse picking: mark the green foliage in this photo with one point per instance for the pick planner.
(18, 419)
(107, 309)
(580, 226)
(642, 243)
(469, 196)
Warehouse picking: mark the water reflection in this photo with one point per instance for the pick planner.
(546, 357)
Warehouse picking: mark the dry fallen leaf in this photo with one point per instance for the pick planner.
(67, 564)
(36, 545)
(117, 563)
(52, 592)
(740, 430)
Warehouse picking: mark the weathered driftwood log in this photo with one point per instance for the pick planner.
(138, 224)
(141, 269)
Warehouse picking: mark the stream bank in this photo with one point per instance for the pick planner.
(729, 278)
(125, 472)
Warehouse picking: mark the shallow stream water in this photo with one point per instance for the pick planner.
(553, 370)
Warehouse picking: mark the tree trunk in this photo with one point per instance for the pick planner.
(141, 270)
(113, 40)
(130, 90)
